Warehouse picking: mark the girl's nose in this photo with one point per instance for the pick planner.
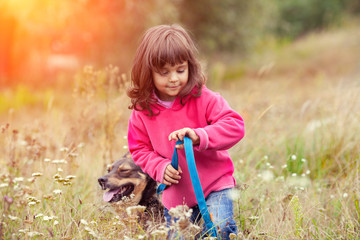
(173, 77)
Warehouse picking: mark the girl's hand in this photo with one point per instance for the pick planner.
(180, 134)
(171, 175)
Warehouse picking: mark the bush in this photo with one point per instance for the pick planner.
(297, 17)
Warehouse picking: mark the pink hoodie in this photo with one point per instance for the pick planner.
(217, 125)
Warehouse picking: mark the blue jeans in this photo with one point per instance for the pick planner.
(220, 205)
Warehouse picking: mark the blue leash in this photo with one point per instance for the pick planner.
(195, 182)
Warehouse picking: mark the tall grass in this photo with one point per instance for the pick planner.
(297, 168)
(302, 172)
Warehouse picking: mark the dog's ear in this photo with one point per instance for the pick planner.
(127, 155)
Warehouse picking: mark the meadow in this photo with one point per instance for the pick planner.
(297, 167)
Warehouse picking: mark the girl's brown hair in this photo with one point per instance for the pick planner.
(161, 45)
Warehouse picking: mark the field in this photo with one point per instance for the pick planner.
(297, 167)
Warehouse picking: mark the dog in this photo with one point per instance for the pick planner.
(126, 180)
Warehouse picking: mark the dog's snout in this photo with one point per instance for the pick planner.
(102, 181)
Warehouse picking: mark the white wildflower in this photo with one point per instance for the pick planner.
(294, 175)
(314, 124)
(125, 147)
(13, 218)
(57, 176)
(91, 232)
(39, 215)
(64, 149)
(33, 199)
(124, 199)
(37, 174)
(293, 157)
(60, 180)
(303, 160)
(308, 172)
(60, 170)
(280, 178)
(57, 191)
(4, 185)
(125, 137)
(253, 217)
(134, 210)
(30, 204)
(46, 218)
(81, 145)
(47, 160)
(34, 234)
(56, 222)
(298, 181)
(267, 175)
(284, 166)
(345, 195)
(23, 142)
(194, 228)
(232, 236)
(70, 177)
(84, 222)
(31, 180)
(59, 161)
(181, 211)
(18, 179)
(234, 194)
(159, 233)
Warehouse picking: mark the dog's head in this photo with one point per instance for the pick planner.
(125, 179)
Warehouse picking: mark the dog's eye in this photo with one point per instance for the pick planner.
(109, 167)
(124, 170)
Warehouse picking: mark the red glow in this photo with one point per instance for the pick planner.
(41, 37)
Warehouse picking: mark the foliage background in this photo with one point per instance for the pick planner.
(107, 32)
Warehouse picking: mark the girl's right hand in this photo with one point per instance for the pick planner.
(181, 133)
(171, 175)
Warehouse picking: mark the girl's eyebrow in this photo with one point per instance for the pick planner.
(182, 65)
(176, 66)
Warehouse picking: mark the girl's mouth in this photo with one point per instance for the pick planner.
(173, 87)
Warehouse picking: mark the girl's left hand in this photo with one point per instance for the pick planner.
(181, 133)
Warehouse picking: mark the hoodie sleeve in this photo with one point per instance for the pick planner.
(225, 127)
(142, 151)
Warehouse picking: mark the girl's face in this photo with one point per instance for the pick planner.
(170, 80)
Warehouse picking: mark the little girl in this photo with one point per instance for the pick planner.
(170, 101)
